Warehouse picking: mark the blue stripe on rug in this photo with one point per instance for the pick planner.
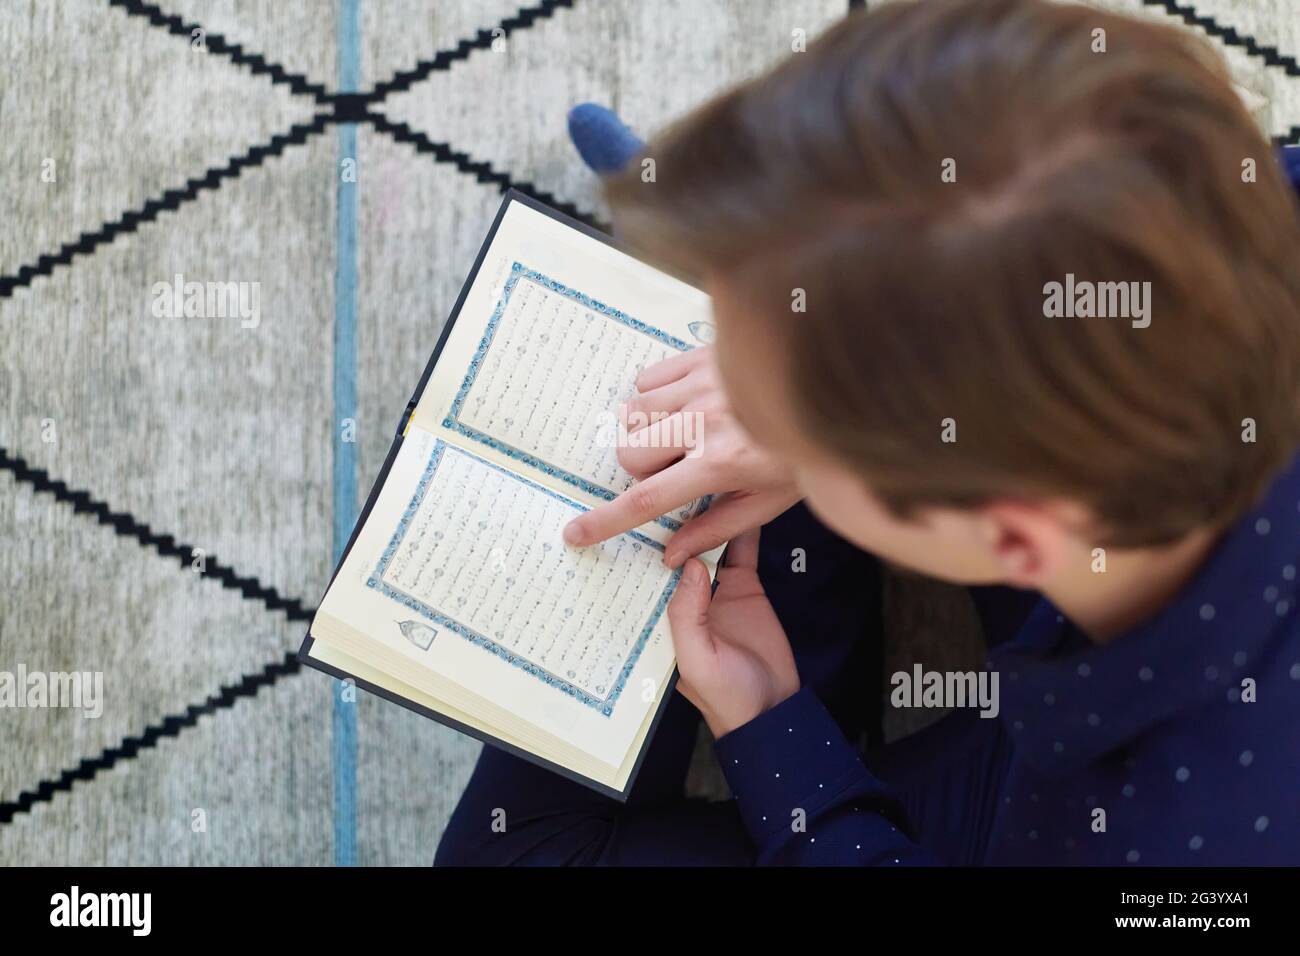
(344, 722)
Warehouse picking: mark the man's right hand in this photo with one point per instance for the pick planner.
(754, 487)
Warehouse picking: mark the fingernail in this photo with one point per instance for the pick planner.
(573, 533)
(671, 559)
(695, 573)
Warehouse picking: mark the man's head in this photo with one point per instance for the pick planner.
(905, 231)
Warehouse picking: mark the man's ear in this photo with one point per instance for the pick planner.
(1031, 541)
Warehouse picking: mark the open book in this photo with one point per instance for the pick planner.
(457, 596)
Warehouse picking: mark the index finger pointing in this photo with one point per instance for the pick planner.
(644, 501)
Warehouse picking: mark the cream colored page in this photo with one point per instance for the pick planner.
(615, 777)
(462, 570)
(548, 343)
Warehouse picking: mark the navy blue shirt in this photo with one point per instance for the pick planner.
(1177, 743)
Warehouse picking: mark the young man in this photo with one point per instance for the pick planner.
(1008, 293)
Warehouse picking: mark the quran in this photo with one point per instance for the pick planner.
(456, 595)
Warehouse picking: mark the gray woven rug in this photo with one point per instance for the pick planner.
(170, 487)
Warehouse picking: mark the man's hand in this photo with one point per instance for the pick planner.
(757, 487)
(733, 656)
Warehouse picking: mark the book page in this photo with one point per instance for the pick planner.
(614, 777)
(574, 619)
(460, 572)
(548, 343)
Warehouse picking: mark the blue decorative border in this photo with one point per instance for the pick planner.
(604, 705)
(519, 271)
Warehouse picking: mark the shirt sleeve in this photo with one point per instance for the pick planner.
(1290, 156)
(805, 796)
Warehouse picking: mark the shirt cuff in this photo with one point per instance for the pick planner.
(793, 757)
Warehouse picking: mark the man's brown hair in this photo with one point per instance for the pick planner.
(1083, 144)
